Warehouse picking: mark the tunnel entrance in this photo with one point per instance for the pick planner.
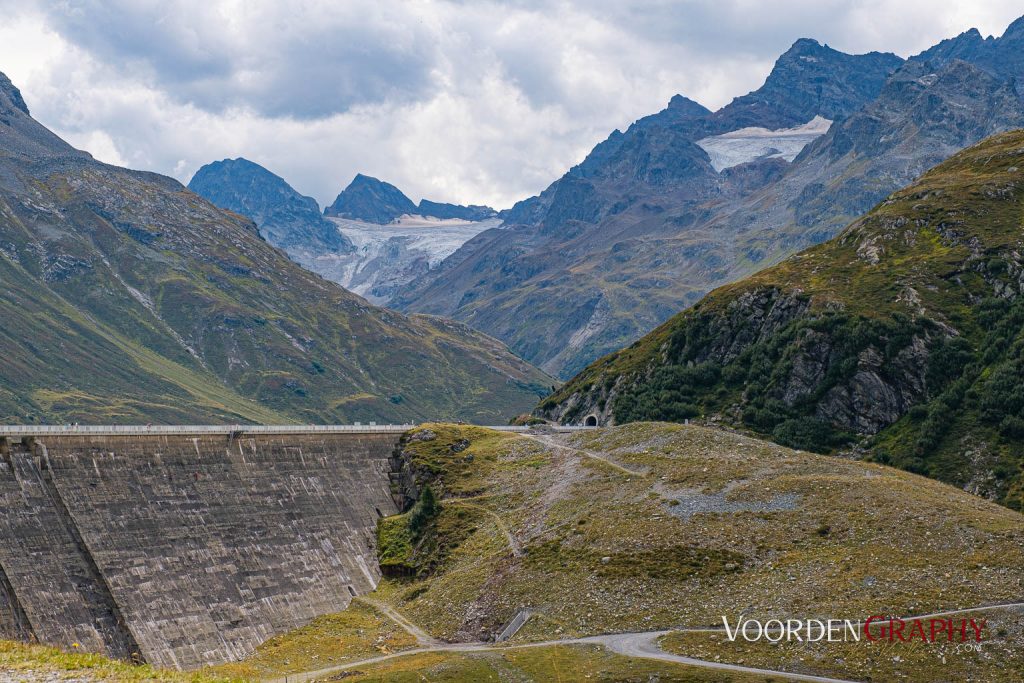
(591, 421)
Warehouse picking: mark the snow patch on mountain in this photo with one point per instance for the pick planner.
(388, 256)
(747, 144)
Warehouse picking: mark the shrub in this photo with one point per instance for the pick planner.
(807, 434)
(424, 512)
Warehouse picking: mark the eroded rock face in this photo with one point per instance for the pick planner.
(875, 393)
(11, 93)
(879, 393)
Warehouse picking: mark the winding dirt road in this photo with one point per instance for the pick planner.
(642, 645)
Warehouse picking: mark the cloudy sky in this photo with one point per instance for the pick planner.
(456, 100)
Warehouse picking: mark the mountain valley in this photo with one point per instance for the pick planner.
(372, 241)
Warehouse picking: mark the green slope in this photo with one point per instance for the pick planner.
(128, 298)
(901, 337)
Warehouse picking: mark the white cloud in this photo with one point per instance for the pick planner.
(457, 101)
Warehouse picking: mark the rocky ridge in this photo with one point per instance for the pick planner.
(286, 219)
(645, 225)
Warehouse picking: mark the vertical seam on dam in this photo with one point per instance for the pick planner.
(20, 624)
(121, 641)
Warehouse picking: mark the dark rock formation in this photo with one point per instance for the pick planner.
(11, 94)
(374, 201)
(371, 200)
(286, 218)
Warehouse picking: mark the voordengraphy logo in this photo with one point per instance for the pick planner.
(873, 629)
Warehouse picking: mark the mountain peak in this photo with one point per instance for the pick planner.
(684, 106)
(10, 92)
(808, 80)
(369, 199)
(1015, 30)
(802, 45)
(285, 218)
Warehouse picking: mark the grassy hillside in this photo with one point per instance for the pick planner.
(652, 526)
(901, 337)
(128, 298)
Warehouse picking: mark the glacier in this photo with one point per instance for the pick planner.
(747, 144)
(389, 256)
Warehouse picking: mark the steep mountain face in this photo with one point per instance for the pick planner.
(621, 241)
(649, 222)
(902, 335)
(127, 298)
(287, 219)
(371, 200)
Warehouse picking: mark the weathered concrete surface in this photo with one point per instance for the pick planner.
(189, 549)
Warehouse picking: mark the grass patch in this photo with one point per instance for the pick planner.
(357, 633)
(17, 659)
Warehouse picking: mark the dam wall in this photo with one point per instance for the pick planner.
(184, 547)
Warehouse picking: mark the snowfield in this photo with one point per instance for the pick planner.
(747, 144)
(388, 256)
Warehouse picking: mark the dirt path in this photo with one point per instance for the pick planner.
(642, 645)
(517, 549)
(553, 442)
(421, 636)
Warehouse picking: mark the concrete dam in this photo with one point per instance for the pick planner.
(186, 546)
